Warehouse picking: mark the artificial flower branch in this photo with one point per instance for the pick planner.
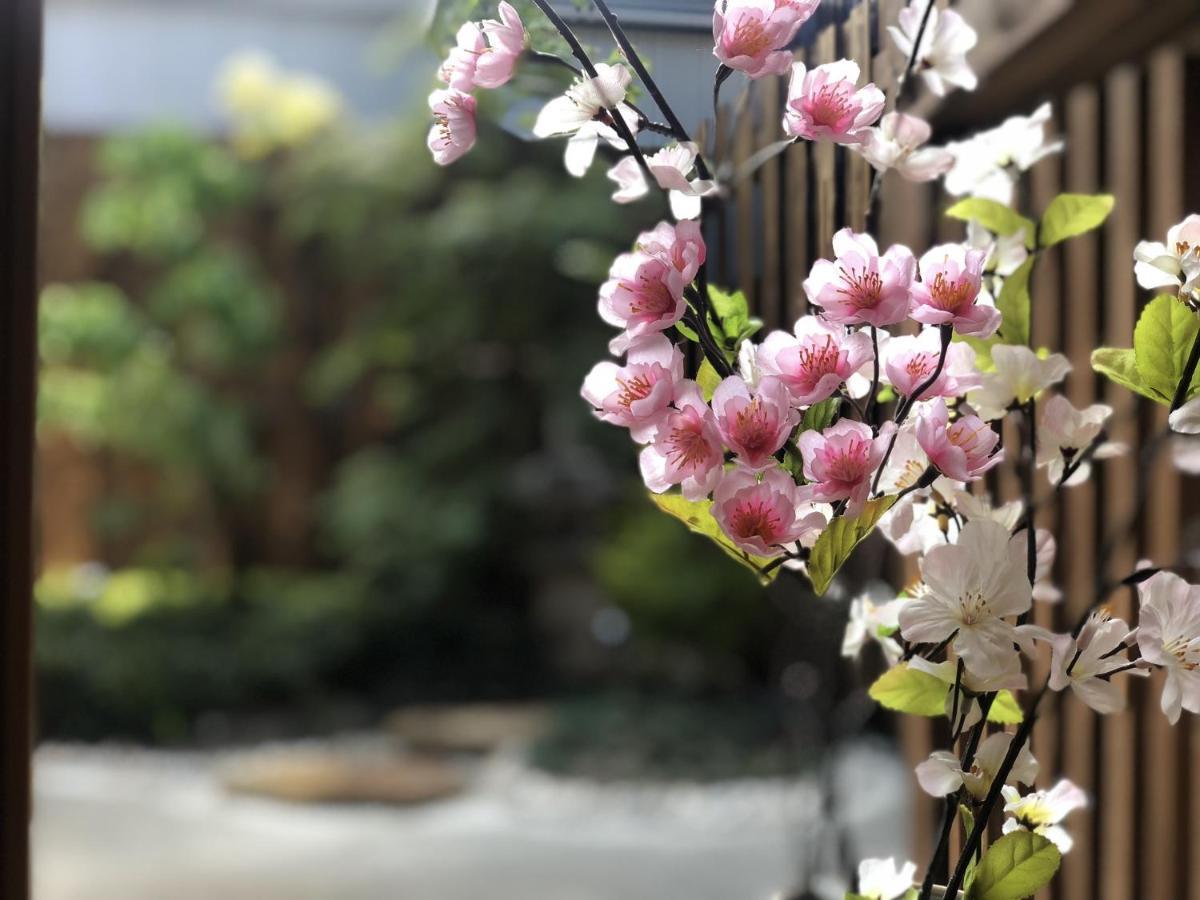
(769, 448)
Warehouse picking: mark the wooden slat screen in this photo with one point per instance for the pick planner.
(1127, 131)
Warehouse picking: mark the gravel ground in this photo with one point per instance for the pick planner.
(150, 825)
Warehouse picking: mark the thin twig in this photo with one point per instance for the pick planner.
(1189, 373)
(643, 74)
(618, 122)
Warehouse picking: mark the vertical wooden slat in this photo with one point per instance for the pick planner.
(743, 148)
(1160, 826)
(1123, 162)
(824, 160)
(858, 171)
(1078, 547)
(769, 178)
(20, 130)
(1046, 291)
(797, 228)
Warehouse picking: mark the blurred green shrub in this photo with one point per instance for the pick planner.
(330, 332)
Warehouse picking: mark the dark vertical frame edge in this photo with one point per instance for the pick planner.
(20, 145)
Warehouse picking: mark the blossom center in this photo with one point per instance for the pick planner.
(750, 38)
(974, 608)
(633, 389)
(756, 518)
(1185, 650)
(753, 426)
(950, 295)
(688, 447)
(818, 358)
(652, 297)
(847, 464)
(966, 437)
(830, 106)
(862, 289)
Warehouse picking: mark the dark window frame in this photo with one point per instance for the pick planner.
(20, 141)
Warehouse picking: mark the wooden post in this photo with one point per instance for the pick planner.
(20, 127)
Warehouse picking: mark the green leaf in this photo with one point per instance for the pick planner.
(910, 691)
(1018, 865)
(1072, 214)
(698, 518)
(1005, 710)
(707, 378)
(730, 315)
(687, 332)
(1162, 340)
(1120, 366)
(820, 416)
(838, 541)
(1014, 304)
(995, 217)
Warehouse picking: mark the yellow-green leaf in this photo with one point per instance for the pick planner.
(839, 539)
(1014, 303)
(1005, 710)
(995, 217)
(1016, 866)
(707, 379)
(910, 691)
(1162, 341)
(697, 516)
(1119, 365)
(1069, 215)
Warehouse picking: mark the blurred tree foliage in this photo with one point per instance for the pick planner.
(336, 389)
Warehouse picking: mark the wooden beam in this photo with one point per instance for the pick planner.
(1084, 42)
(20, 127)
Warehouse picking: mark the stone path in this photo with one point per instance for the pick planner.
(147, 825)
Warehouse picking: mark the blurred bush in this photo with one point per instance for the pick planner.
(333, 392)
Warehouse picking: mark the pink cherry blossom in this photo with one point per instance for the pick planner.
(839, 461)
(754, 424)
(682, 245)
(951, 278)
(861, 287)
(825, 104)
(761, 517)
(506, 43)
(636, 395)
(752, 35)
(910, 361)
(643, 295)
(687, 448)
(453, 132)
(816, 361)
(460, 68)
(962, 451)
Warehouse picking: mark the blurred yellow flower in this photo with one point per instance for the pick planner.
(270, 109)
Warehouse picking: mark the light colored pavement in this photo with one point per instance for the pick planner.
(142, 825)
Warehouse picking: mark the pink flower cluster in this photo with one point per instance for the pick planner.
(733, 447)
(485, 56)
(863, 287)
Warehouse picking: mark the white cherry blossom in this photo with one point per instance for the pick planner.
(1042, 812)
(988, 163)
(971, 586)
(1175, 265)
(942, 57)
(1018, 377)
(1168, 635)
